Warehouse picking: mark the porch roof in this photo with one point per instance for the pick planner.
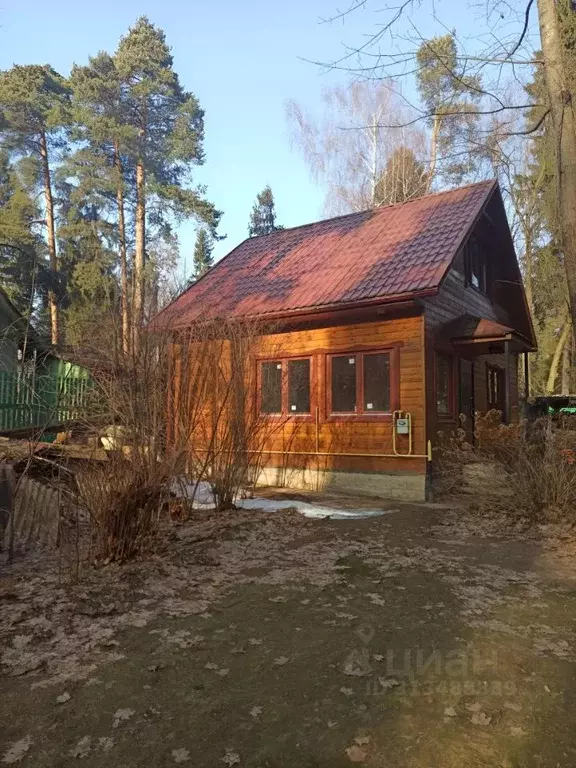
(471, 329)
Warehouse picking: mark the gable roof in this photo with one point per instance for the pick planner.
(387, 254)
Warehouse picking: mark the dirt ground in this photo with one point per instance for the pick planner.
(416, 639)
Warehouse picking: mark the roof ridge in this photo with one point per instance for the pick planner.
(374, 210)
(381, 251)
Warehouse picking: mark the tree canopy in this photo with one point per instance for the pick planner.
(263, 216)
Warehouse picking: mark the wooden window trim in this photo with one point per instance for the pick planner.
(361, 415)
(285, 414)
(500, 370)
(452, 389)
(482, 290)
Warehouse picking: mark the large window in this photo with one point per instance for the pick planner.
(299, 386)
(271, 387)
(476, 265)
(285, 387)
(360, 383)
(444, 384)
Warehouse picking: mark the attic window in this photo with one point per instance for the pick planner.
(476, 265)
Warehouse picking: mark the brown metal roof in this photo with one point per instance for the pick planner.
(472, 327)
(386, 253)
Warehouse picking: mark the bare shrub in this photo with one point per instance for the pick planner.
(524, 470)
(215, 412)
(124, 500)
(179, 411)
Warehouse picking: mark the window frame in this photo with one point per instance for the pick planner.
(361, 414)
(450, 415)
(285, 413)
(479, 253)
(500, 373)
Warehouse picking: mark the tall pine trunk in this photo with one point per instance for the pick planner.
(564, 123)
(139, 252)
(49, 203)
(434, 139)
(124, 302)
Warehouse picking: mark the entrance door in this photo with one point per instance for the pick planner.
(466, 396)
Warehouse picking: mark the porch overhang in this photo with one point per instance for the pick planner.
(473, 336)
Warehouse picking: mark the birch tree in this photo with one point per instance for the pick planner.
(348, 147)
(500, 61)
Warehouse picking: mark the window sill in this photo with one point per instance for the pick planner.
(287, 416)
(366, 418)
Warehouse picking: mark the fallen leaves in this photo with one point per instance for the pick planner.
(357, 664)
(356, 754)
(83, 748)
(280, 661)
(17, 751)
(230, 758)
(63, 698)
(480, 718)
(121, 715)
(180, 755)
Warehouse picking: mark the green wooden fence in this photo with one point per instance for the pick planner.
(42, 401)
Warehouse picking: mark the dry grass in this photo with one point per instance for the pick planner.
(521, 470)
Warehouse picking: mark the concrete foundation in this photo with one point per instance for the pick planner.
(404, 486)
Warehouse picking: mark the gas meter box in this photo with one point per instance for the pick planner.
(402, 426)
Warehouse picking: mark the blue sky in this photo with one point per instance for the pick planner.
(242, 60)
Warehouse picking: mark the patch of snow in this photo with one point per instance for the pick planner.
(313, 511)
(202, 498)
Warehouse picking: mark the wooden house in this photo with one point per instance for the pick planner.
(390, 323)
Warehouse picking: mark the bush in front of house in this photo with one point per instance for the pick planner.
(526, 471)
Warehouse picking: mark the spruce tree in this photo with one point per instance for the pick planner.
(33, 110)
(263, 216)
(202, 255)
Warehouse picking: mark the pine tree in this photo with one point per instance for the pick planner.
(33, 110)
(202, 255)
(101, 167)
(168, 132)
(450, 97)
(23, 270)
(404, 178)
(263, 216)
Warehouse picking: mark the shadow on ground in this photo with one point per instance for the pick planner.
(387, 642)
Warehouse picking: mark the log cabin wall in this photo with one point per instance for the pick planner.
(353, 434)
(456, 298)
